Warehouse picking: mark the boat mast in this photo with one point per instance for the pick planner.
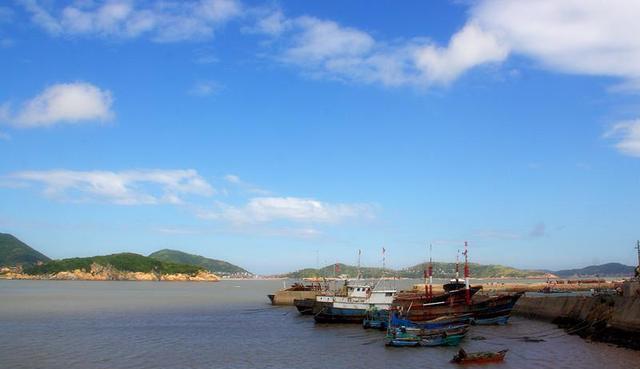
(467, 295)
(638, 248)
(457, 265)
(359, 274)
(430, 274)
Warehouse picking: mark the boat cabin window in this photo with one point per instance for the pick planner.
(388, 294)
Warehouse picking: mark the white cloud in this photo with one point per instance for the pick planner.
(628, 135)
(61, 103)
(576, 36)
(293, 209)
(590, 37)
(273, 23)
(131, 187)
(166, 21)
(245, 186)
(322, 41)
(469, 47)
(326, 48)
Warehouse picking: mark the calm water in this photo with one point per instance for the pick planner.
(113, 325)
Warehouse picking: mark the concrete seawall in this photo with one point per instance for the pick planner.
(614, 319)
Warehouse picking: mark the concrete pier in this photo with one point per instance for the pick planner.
(614, 319)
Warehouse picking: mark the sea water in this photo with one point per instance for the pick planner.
(116, 325)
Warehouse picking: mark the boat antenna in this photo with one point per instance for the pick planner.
(383, 260)
(430, 273)
(467, 295)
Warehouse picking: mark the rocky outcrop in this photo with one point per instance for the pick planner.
(100, 272)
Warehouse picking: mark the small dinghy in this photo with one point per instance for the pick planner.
(462, 357)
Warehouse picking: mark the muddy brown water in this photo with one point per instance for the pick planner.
(113, 325)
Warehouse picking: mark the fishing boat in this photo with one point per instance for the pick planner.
(287, 295)
(483, 309)
(352, 306)
(462, 357)
(376, 318)
(442, 322)
(403, 337)
(304, 306)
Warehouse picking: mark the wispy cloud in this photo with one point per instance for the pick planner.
(244, 185)
(326, 48)
(538, 230)
(628, 135)
(133, 187)
(292, 209)
(166, 21)
(69, 103)
(205, 88)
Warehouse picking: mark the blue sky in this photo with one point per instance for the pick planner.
(262, 133)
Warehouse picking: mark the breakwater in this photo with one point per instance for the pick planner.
(614, 319)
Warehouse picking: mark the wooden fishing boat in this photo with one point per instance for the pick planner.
(484, 310)
(462, 357)
(442, 322)
(403, 336)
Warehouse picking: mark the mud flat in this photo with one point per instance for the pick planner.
(614, 319)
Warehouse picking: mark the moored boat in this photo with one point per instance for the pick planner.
(296, 291)
(462, 357)
(352, 306)
(304, 306)
(403, 336)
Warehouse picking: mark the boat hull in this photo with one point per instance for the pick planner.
(304, 306)
(483, 311)
(331, 314)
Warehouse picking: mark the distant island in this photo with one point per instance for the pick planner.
(20, 261)
(603, 270)
(440, 270)
(447, 270)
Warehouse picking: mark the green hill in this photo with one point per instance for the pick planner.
(604, 270)
(218, 267)
(440, 270)
(447, 270)
(15, 252)
(126, 262)
(331, 271)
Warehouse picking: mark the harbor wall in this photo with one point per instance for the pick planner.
(614, 319)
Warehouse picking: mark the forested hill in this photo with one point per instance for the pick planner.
(219, 267)
(15, 252)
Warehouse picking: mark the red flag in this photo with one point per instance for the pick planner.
(337, 268)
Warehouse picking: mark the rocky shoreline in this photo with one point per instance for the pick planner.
(107, 273)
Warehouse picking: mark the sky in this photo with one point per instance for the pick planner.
(282, 135)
